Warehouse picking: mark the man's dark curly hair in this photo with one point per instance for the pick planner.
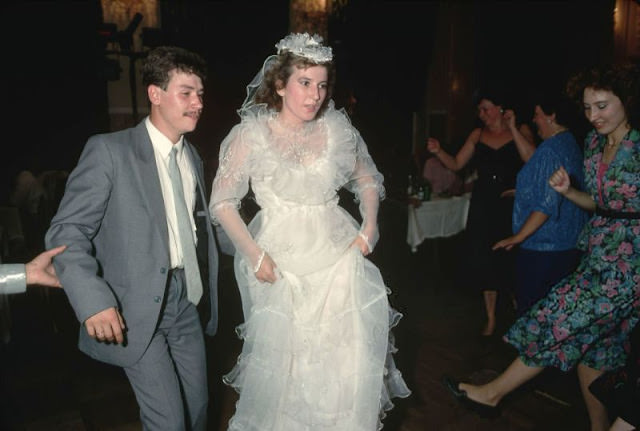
(623, 80)
(163, 59)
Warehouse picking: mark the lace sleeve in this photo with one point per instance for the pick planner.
(366, 183)
(231, 182)
(230, 185)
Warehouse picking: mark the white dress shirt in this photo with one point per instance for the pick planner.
(162, 147)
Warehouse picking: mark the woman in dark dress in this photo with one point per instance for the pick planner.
(497, 151)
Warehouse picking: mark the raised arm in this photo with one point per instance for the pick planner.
(522, 136)
(461, 158)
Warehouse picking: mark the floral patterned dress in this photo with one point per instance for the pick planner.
(587, 317)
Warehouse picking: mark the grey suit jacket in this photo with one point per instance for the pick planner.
(112, 218)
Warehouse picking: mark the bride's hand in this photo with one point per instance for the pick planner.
(362, 245)
(266, 273)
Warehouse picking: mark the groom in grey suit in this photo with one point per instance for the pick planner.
(125, 263)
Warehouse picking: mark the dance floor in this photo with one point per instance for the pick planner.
(47, 384)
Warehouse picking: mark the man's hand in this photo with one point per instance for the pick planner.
(106, 325)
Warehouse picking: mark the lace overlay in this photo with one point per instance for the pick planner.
(317, 351)
(326, 155)
(299, 147)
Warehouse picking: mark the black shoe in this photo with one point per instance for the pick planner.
(482, 410)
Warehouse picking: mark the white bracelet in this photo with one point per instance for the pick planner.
(257, 267)
(366, 240)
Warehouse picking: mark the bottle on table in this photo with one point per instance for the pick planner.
(425, 191)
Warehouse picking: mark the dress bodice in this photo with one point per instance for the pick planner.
(304, 167)
(499, 166)
(616, 190)
(294, 168)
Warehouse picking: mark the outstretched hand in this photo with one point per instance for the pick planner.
(40, 269)
(507, 243)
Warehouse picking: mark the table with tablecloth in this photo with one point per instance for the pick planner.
(437, 218)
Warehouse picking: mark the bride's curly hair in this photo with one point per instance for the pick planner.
(277, 76)
(623, 80)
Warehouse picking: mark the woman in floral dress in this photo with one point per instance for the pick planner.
(586, 318)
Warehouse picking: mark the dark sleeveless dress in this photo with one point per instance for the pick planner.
(490, 216)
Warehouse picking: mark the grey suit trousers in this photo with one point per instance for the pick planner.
(170, 380)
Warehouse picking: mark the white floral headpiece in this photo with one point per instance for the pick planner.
(307, 46)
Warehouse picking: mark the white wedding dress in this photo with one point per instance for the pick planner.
(317, 347)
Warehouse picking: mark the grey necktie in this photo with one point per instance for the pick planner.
(189, 260)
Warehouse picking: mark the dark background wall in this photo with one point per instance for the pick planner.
(529, 47)
(55, 93)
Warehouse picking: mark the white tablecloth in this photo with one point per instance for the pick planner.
(439, 217)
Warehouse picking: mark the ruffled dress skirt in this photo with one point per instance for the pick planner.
(317, 346)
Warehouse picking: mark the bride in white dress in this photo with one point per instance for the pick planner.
(317, 347)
